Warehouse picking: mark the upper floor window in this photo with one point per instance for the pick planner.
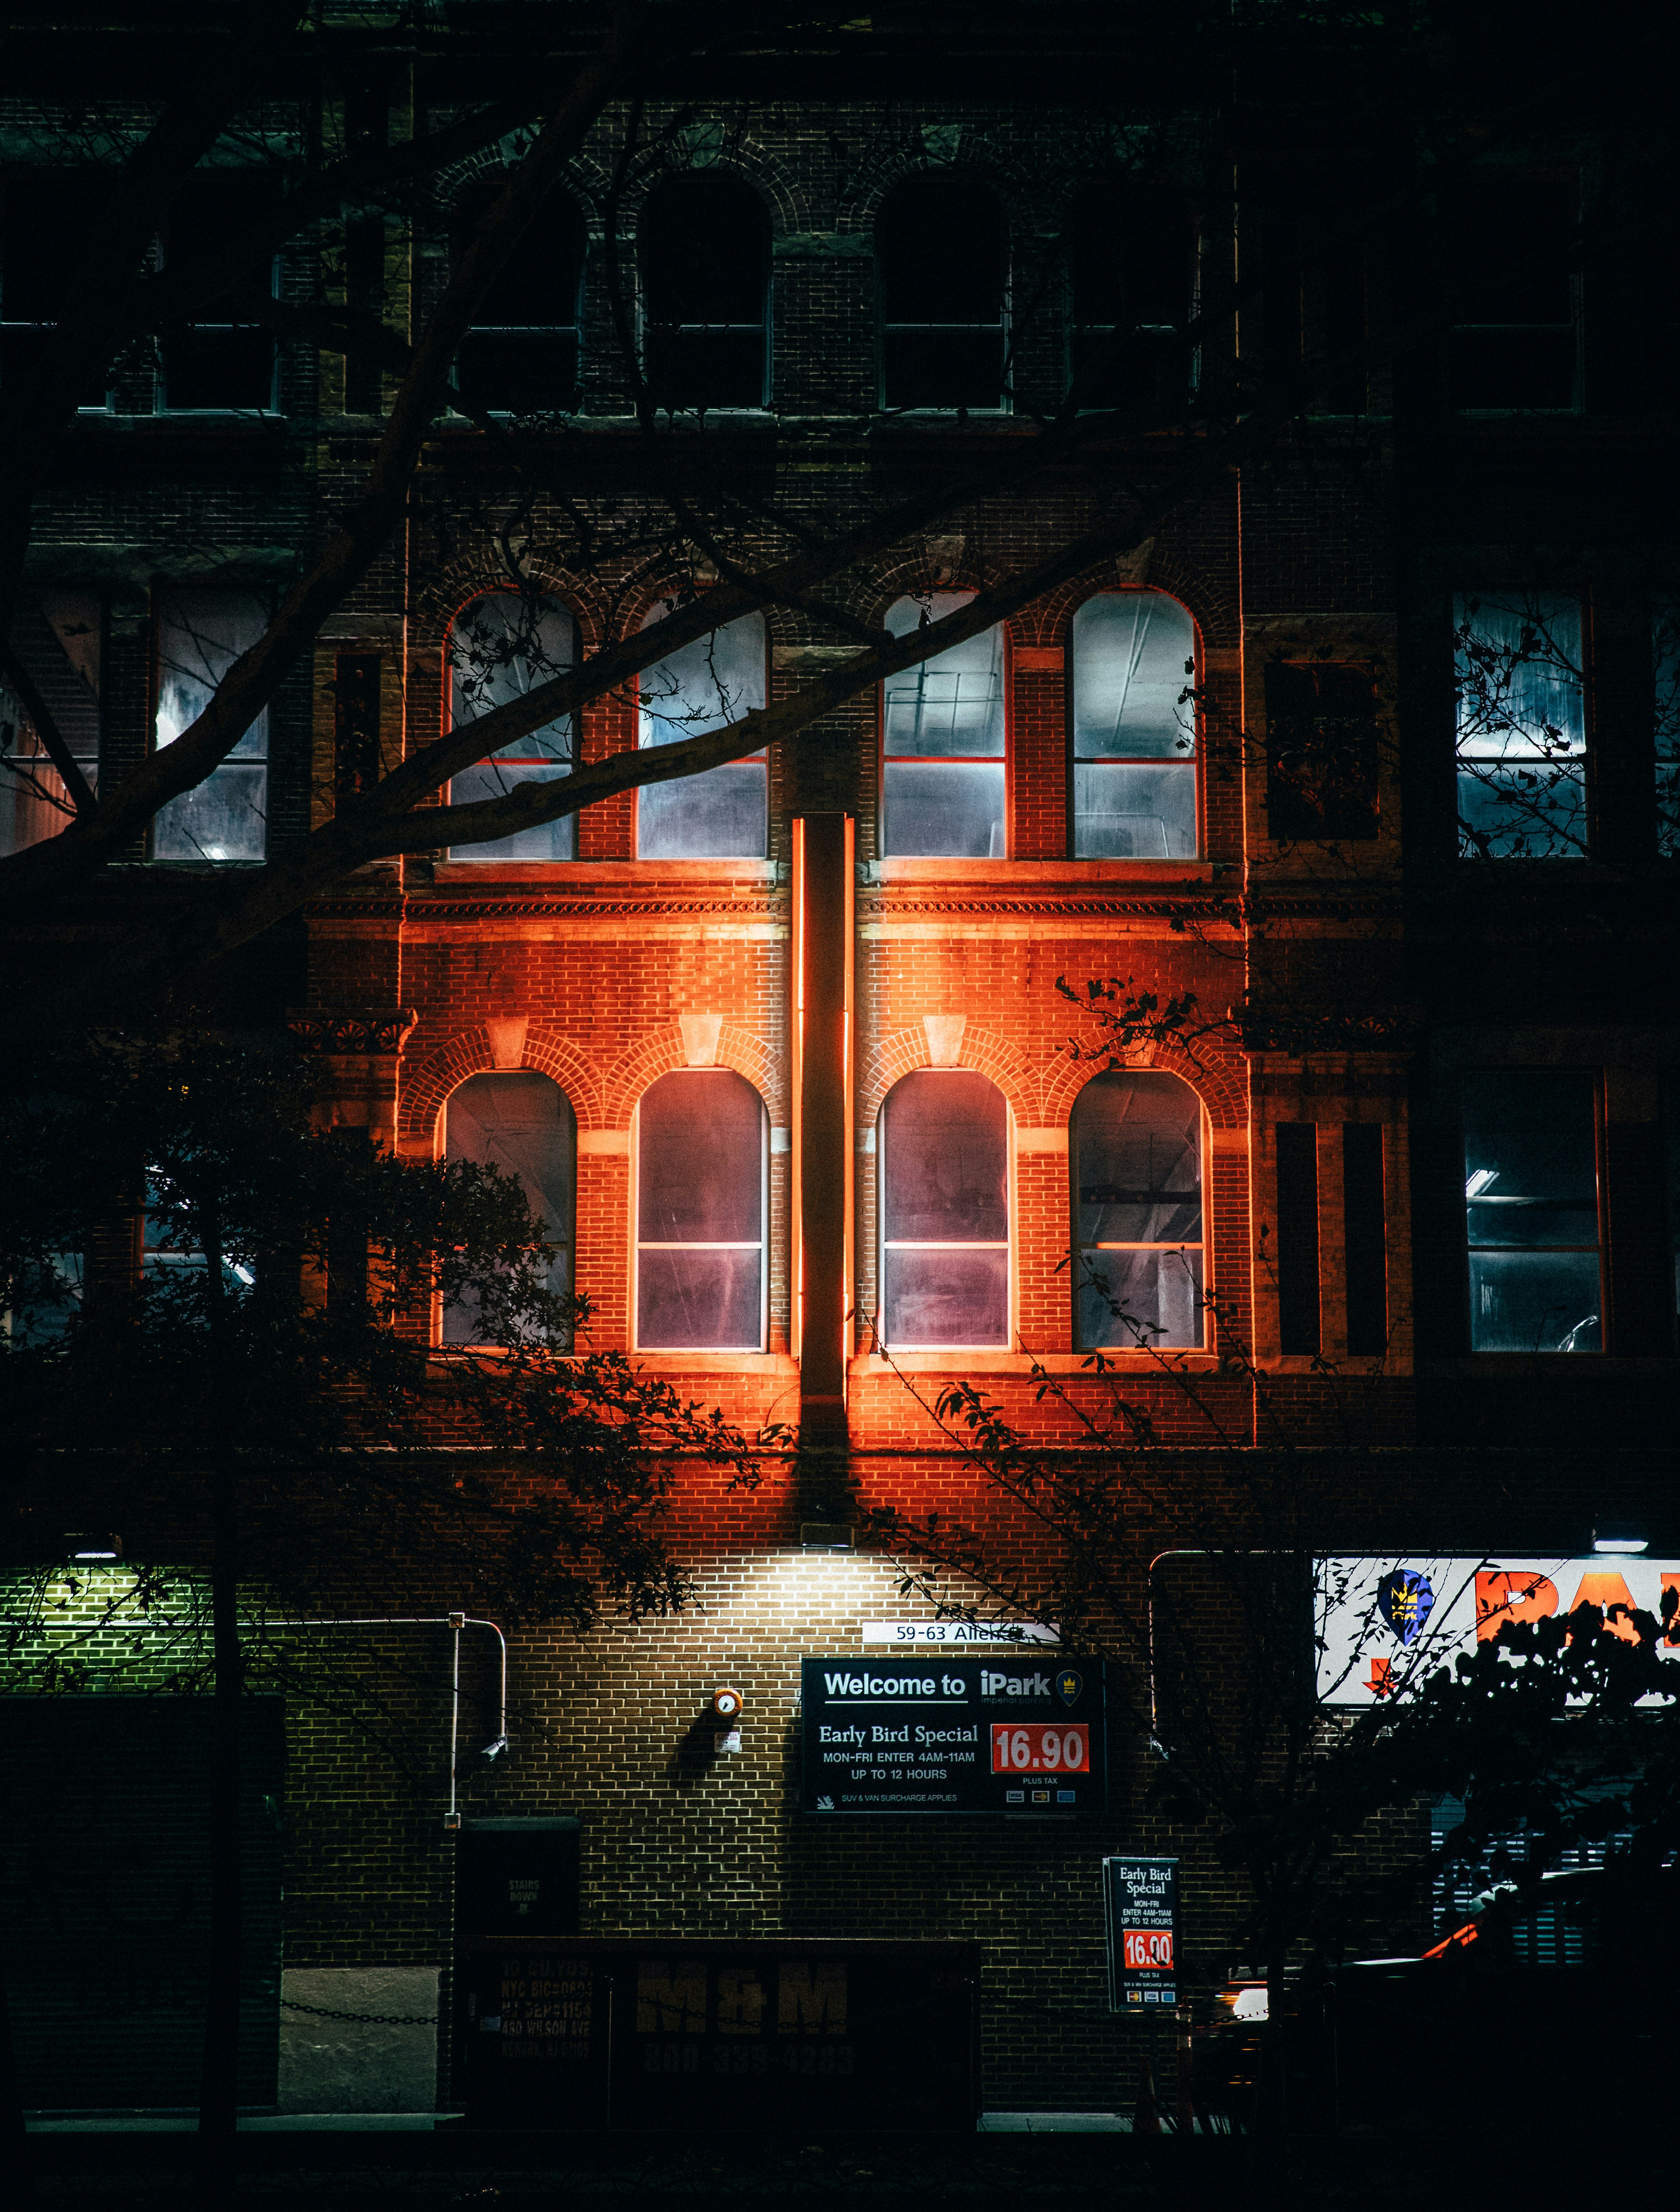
(1512, 343)
(1531, 1212)
(701, 1206)
(1665, 670)
(943, 785)
(942, 255)
(1136, 1154)
(1134, 728)
(524, 1125)
(721, 813)
(503, 645)
(945, 1211)
(1321, 750)
(200, 635)
(1521, 726)
(221, 360)
(704, 244)
(46, 218)
(1130, 262)
(523, 353)
(56, 650)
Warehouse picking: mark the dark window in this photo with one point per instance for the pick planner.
(1321, 750)
(1665, 672)
(943, 741)
(1135, 1155)
(941, 251)
(722, 812)
(945, 1211)
(1313, 304)
(524, 1125)
(364, 292)
(200, 635)
(1130, 268)
(45, 218)
(1521, 726)
(522, 354)
(502, 647)
(1134, 728)
(1531, 1212)
(219, 359)
(355, 749)
(705, 254)
(1670, 1096)
(55, 653)
(1512, 294)
(700, 1213)
(1365, 1243)
(1298, 1314)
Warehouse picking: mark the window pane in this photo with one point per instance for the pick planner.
(1536, 812)
(1665, 669)
(1321, 750)
(953, 703)
(56, 636)
(718, 814)
(1518, 679)
(1511, 250)
(1515, 369)
(502, 648)
(1137, 1161)
(225, 817)
(699, 1301)
(523, 1124)
(200, 635)
(705, 246)
(1531, 1168)
(1133, 1299)
(1535, 1301)
(699, 369)
(1134, 813)
(700, 1160)
(519, 372)
(946, 1134)
(1134, 659)
(940, 249)
(950, 809)
(934, 1298)
(219, 368)
(942, 368)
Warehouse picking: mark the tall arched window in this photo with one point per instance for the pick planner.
(524, 1125)
(942, 253)
(1136, 1152)
(945, 1211)
(523, 353)
(1134, 728)
(723, 812)
(503, 645)
(701, 1202)
(942, 742)
(1131, 264)
(705, 254)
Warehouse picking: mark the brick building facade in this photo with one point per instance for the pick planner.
(1395, 973)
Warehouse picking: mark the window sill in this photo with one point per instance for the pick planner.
(717, 1362)
(865, 1365)
(593, 874)
(920, 870)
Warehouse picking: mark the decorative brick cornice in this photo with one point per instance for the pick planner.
(583, 909)
(351, 1029)
(879, 909)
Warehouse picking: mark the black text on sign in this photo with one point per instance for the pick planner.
(1039, 1748)
(1148, 1948)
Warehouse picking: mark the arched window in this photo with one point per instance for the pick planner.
(945, 1211)
(524, 1125)
(705, 252)
(1131, 264)
(942, 742)
(721, 813)
(503, 645)
(700, 1210)
(1134, 729)
(1136, 1159)
(942, 252)
(522, 354)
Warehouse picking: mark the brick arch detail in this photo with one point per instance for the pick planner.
(983, 1053)
(472, 574)
(978, 156)
(427, 1085)
(1208, 605)
(1222, 1089)
(662, 1053)
(750, 160)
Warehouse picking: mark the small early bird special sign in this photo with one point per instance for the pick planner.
(1014, 1731)
(1140, 1913)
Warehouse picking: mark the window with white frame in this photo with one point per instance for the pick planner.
(1135, 748)
(1134, 1151)
(702, 1202)
(944, 1212)
(1521, 737)
(200, 635)
(1531, 1210)
(523, 1124)
(722, 813)
(503, 645)
(944, 788)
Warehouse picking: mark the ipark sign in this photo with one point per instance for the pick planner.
(1384, 1623)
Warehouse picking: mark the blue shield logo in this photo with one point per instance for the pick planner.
(1405, 1601)
(1069, 1685)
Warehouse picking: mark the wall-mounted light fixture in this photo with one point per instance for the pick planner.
(1623, 1536)
(94, 1547)
(825, 1536)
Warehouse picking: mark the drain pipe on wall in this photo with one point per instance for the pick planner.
(455, 1621)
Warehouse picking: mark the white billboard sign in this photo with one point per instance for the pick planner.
(1384, 1623)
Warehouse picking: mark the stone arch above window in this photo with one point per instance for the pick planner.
(944, 1169)
(701, 1212)
(523, 1124)
(1135, 736)
(1134, 1156)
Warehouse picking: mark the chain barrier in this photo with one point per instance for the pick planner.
(366, 2019)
